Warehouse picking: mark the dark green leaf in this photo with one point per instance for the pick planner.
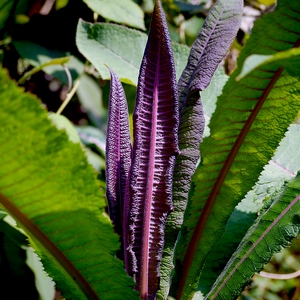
(250, 120)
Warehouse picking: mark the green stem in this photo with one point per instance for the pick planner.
(69, 96)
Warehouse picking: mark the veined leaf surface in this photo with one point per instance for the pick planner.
(155, 146)
(124, 12)
(49, 188)
(289, 59)
(220, 27)
(118, 152)
(120, 48)
(271, 232)
(282, 168)
(249, 122)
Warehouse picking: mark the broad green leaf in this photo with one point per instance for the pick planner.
(120, 48)
(95, 160)
(210, 94)
(38, 56)
(192, 26)
(147, 6)
(124, 12)
(49, 188)
(271, 233)
(251, 118)
(289, 59)
(281, 169)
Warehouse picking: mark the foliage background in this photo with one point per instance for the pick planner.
(33, 32)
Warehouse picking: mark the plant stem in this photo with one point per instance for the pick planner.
(69, 96)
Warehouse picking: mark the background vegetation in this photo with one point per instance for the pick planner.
(33, 35)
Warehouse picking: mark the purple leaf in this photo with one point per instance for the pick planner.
(210, 47)
(118, 152)
(154, 151)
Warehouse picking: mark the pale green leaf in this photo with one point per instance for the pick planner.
(119, 48)
(90, 135)
(289, 59)
(124, 12)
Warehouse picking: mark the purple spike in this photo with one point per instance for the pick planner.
(154, 151)
(118, 152)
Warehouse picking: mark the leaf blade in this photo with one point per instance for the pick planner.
(124, 12)
(271, 232)
(118, 152)
(41, 181)
(154, 150)
(108, 44)
(238, 101)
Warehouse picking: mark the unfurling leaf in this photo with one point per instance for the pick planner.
(118, 152)
(154, 150)
(213, 42)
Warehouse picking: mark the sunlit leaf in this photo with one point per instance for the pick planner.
(49, 188)
(124, 12)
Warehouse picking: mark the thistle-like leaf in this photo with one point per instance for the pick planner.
(154, 150)
(210, 47)
(118, 152)
(271, 233)
(251, 118)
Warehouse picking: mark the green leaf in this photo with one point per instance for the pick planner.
(251, 118)
(120, 48)
(271, 233)
(289, 59)
(124, 12)
(90, 135)
(281, 169)
(62, 123)
(49, 188)
(209, 98)
(38, 56)
(56, 61)
(210, 95)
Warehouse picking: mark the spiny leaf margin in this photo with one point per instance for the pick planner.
(273, 231)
